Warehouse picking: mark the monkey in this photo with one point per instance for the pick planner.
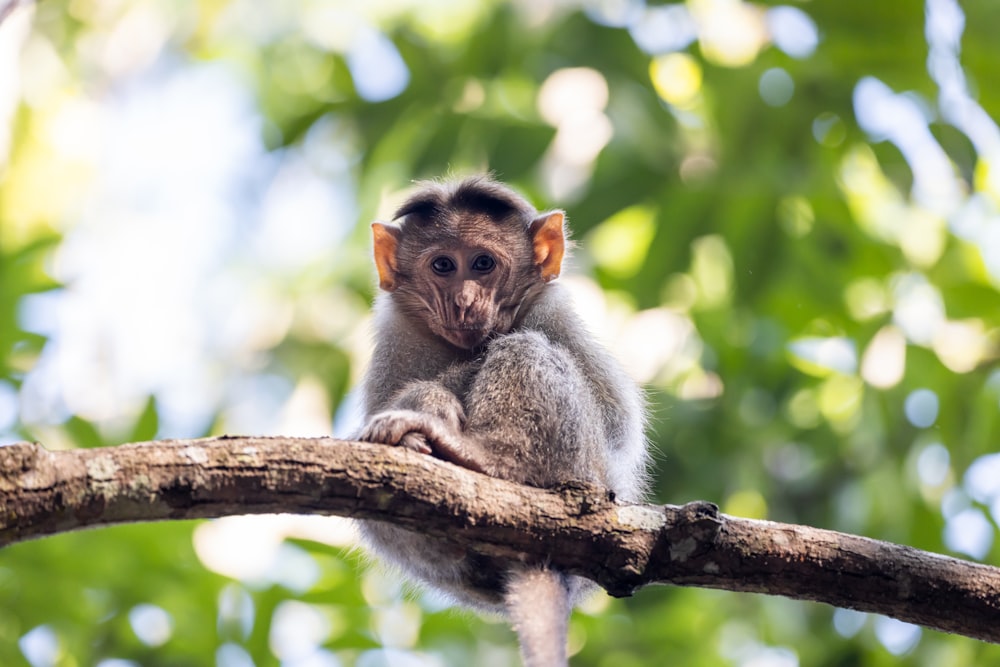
(481, 360)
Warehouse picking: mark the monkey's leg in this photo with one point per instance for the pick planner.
(534, 414)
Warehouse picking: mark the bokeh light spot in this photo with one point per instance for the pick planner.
(933, 464)
(568, 91)
(731, 32)
(40, 646)
(792, 30)
(884, 361)
(969, 532)
(776, 87)
(620, 243)
(663, 29)
(982, 479)
(151, 624)
(233, 655)
(896, 636)
(297, 630)
(676, 78)
(828, 129)
(848, 622)
(921, 408)
(377, 68)
(820, 356)
(712, 271)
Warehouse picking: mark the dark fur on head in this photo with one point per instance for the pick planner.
(479, 194)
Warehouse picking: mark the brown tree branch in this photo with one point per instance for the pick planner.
(577, 528)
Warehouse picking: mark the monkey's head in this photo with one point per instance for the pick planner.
(464, 257)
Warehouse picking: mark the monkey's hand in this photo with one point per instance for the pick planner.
(422, 433)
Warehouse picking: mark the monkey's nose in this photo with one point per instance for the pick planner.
(466, 297)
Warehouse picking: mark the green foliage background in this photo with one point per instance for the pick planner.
(757, 225)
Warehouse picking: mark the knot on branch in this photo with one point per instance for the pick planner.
(691, 529)
(20, 457)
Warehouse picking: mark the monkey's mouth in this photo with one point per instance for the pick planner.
(466, 336)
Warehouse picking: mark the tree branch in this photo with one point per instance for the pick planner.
(576, 528)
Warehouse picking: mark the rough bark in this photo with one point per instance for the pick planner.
(577, 528)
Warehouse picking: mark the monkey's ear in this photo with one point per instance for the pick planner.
(386, 241)
(549, 242)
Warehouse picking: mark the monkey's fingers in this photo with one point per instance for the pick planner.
(399, 428)
(416, 442)
(422, 433)
(452, 451)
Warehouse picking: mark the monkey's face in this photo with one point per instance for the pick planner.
(465, 292)
(463, 262)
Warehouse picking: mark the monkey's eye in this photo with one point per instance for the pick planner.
(483, 264)
(443, 265)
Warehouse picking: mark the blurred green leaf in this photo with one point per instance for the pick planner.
(83, 432)
(147, 424)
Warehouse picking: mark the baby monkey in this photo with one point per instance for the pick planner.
(480, 360)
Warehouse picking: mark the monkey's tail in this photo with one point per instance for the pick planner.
(538, 605)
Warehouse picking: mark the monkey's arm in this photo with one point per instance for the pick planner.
(428, 417)
(427, 434)
(526, 414)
